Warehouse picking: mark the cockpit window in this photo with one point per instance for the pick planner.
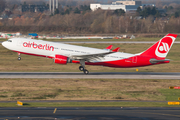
(9, 40)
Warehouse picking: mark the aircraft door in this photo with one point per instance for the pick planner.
(19, 43)
(134, 60)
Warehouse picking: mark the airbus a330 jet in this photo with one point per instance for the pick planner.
(65, 53)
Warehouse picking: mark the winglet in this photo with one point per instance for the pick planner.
(116, 50)
(109, 47)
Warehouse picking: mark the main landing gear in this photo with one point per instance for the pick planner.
(82, 67)
(19, 56)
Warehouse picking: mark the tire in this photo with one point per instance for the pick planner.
(19, 58)
(86, 72)
(81, 68)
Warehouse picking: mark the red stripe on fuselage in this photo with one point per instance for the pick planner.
(136, 61)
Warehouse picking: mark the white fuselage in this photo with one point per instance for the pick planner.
(65, 53)
(50, 49)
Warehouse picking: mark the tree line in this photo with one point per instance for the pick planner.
(91, 22)
(80, 19)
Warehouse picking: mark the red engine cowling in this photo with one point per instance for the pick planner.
(60, 59)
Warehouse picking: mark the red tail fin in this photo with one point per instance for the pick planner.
(161, 48)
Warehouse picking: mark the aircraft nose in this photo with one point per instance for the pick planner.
(3, 43)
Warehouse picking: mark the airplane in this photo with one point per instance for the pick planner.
(65, 53)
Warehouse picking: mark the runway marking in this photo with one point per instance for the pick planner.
(173, 103)
(55, 110)
(160, 114)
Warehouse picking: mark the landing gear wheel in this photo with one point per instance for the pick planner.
(81, 68)
(19, 58)
(86, 71)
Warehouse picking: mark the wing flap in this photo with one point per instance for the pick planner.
(89, 57)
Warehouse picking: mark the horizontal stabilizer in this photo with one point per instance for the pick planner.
(116, 50)
(154, 61)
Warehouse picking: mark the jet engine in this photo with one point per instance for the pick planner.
(60, 59)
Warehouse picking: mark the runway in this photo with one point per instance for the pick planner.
(92, 113)
(92, 75)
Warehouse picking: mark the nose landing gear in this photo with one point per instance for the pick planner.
(19, 56)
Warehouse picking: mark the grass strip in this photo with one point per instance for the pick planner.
(88, 89)
(91, 104)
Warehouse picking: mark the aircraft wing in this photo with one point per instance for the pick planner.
(91, 57)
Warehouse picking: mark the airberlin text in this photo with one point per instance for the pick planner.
(38, 46)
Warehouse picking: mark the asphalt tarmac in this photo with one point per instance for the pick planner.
(92, 113)
(93, 75)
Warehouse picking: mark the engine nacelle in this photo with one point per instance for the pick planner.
(60, 59)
